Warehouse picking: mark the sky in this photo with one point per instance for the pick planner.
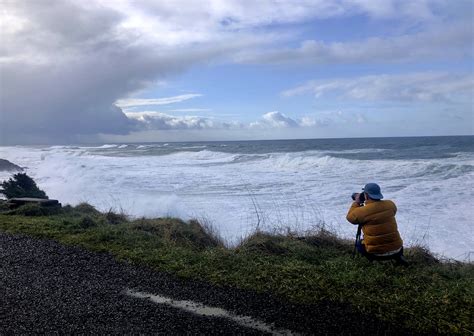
(103, 71)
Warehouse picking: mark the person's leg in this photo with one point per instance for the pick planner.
(400, 259)
(361, 249)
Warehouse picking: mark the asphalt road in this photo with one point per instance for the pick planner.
(47, 288)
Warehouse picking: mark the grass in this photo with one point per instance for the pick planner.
(428, 297)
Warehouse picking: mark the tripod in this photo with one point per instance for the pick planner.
(359, 230)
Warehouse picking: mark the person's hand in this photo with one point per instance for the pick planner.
(357, 199)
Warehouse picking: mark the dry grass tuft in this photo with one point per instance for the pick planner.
(176, 231)
(260, 242)
(420, 255)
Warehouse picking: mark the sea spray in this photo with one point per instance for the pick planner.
(294, 184)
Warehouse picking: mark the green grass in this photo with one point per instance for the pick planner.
(429, 296)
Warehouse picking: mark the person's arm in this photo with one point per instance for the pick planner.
(394, 207)
(354, 215)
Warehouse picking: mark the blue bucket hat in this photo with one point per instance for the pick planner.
(373, 189)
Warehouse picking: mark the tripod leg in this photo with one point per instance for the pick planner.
(401, 261)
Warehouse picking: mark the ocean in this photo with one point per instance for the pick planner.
(279, 185)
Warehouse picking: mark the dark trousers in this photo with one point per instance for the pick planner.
(398, 257)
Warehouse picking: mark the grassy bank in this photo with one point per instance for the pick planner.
(429, 296)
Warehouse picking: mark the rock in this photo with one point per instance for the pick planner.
(16, 202)
(6, 165)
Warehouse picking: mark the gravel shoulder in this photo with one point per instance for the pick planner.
(46, 287)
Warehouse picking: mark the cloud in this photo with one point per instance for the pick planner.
(416, 87)
(236, 14)
(308, 121)
(322, 119)
(274, 119)
(442, 42)
(325, 119)
(191, 110)
(63, 65)
(151, 120)
(134, 102)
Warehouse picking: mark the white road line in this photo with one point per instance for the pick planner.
(201, 309)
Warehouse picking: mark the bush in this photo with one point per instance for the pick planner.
(324, 238)
(3, 206)
(201, 235)
(172, 230)
(32, 209)
(87, 222)
(86, 208)
(266, 243)
(420, 255)
(21, 185)
(114, 218)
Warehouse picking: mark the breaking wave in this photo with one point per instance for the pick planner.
(297, 188)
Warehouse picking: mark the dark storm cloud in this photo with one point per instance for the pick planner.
(47, 91)
(63, 67)
(65, 63)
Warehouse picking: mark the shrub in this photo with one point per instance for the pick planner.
(21, 185)
(3, 206)
(261, 242)
(86, 208)
(172, 230)
(326, 238)
(87, 222)
(115, 218)
(68, 209)
(32, 209)
(420, 255)
(202, 235)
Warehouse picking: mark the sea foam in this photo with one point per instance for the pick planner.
(294, 190)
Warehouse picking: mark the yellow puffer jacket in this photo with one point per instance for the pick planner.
(379, 225)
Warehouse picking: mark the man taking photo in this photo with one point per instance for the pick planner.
(381, 239)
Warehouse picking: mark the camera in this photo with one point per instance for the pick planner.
(361, 197)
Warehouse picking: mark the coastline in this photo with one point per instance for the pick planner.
(100, 287)
(429, 296)
(217, 181)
